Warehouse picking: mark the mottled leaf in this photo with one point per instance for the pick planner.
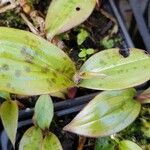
(105, 143)
(29, 65)
(106, 114)
(109, 70)
(65, 14)
(9, 117)
(44, 111)
(51, 142)
(128, 145)
(32, 139)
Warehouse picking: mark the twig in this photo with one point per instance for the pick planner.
(29, 24)
(109, 16)
(8, 7)
(82, 141)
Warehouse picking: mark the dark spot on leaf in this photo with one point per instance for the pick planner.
(78, 8)
(54, 74)
(13, 89)
(27, 69)
(5, 67)
(124, 52)
(49, 82)
(53, 80)
(146, 52)
(45, 69)
(17, 73)
(29, 61)
(23, 51)
(8, 85)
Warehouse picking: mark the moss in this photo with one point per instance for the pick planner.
(12, 19)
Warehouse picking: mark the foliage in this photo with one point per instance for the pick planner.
(85, 52)
(106, 114)
(30, 65)
(71, 13)
(34, 61)
(81, 37)
(107, 143)
(39, 136)
(9, 116)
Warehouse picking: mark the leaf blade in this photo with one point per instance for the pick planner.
(32, 60)
(9, 116)
(113, 71)
(51, 142)
(71, 13)
(44, 111)
(128, 145)
(106, 114)
(32, 139)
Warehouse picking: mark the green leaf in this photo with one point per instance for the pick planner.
(128, 145)
(44, 111)
(9, 117)
(81, 37)
(51, 142)
(29, 65)
(5, 95)
(32, 139)
(145, 127)
(106, 114)
(105, 143)
(90, 51)
(82, 53)
(109, 70)
(65, 14)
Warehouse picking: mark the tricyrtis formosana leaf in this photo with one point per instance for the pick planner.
(106, 114)
(51, 142)
(65, 14)
(29, 65)
(9, 116)
(44, 111)
(109, 70)
(32, 139)
(128, 145)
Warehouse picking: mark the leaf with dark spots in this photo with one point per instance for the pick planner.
(51, 142)
(32, 139)
(30, 65)
(108, 113)
(71, 13)
(109, 70)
